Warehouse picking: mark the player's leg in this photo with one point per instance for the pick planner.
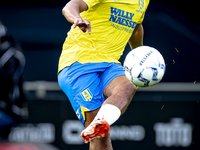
(119, 92)
(102, 143)
(85, 92)
(97, 144)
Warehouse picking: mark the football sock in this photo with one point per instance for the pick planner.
(108, 112)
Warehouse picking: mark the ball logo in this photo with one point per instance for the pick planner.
(141, 78)
(162, 66)
(145, 58)
(155, 73)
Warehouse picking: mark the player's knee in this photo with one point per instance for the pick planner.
(130, 89)
(129, 92)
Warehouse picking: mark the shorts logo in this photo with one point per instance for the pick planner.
(87, 95)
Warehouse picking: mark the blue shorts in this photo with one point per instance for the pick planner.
(84, 84)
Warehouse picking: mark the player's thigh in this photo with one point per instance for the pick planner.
(114, 81)
(119, 86)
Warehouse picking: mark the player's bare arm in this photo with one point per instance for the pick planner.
(136, 38)
(72, 11)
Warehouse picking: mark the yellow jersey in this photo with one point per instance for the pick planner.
(112, 24)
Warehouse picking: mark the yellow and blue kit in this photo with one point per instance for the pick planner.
(89, 62)
(112, 23)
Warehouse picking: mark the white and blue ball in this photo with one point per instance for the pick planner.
(144, 66)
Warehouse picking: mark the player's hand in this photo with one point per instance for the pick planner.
(83, 24)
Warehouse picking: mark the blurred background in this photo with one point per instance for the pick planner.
(36, 115)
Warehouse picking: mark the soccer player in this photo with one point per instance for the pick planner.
(89, 72)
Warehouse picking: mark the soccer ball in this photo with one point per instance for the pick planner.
(144, 66)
